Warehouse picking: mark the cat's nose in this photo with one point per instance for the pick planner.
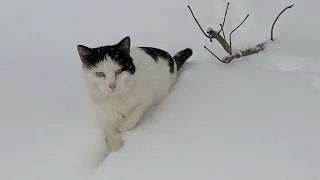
(112, 86)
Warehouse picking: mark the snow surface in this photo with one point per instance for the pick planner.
(256, 118)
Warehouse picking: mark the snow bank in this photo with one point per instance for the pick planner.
(225, 124)
(256, 118)
(45, 127)
(46, 130)
(253, 119)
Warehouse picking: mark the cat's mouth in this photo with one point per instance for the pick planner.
(113, 91)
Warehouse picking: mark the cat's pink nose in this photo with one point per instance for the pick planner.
(112, 86)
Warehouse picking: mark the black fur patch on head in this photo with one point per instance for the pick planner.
(120, 53)
(156, 53)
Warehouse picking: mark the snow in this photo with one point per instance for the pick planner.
(256, 118)
(200, 134)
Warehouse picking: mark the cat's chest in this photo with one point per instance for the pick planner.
(103, 108)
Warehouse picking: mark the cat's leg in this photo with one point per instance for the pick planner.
(116, 117)
(122, 111)
(133, 117)
(113, 138)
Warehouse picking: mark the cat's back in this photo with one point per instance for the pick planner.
(153, 59)
(155, 68)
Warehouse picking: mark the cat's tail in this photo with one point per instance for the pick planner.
(182, 56)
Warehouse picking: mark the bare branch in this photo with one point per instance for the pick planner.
(288, 7)
(213, 54)
(246, 52)
(212, 34)
(225, 14)
(224, 35)
(220, 39)
(230, 43)
(194, 17)
(224, 20)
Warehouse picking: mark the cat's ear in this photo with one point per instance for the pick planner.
(84, 53)
(125, 44)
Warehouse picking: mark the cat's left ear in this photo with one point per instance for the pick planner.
(84, 53)
(125, 44)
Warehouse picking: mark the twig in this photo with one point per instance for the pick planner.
(220, 39)
(246, 52)
(212, 34)
(288, 7)
(224, 20)
(225, 14)
(194, 17)
(224, 35)
(214, 54)
(230, 43)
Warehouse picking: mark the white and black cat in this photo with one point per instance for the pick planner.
(123, 81)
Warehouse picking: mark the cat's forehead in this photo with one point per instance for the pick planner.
(113, 56)
(109, 53)
(108, 64)
(109, 58)
(105, 56)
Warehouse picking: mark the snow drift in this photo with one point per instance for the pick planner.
(256, 118)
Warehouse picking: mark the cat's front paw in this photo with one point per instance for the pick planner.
(116, 118)
(115, 143)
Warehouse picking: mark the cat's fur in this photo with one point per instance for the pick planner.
(123, 81)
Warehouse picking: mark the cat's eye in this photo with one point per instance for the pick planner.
(100, 74)
(118, 71)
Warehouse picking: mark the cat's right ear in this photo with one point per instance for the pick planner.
(125, 44)
(84, 53)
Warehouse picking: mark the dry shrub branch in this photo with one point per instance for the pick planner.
(227, 46)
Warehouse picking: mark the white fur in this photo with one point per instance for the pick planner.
(149, 85)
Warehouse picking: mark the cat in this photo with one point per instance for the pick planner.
(123, 81)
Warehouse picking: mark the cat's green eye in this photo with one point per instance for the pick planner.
(100, 74)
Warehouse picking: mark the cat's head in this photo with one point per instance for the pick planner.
(108, 70)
